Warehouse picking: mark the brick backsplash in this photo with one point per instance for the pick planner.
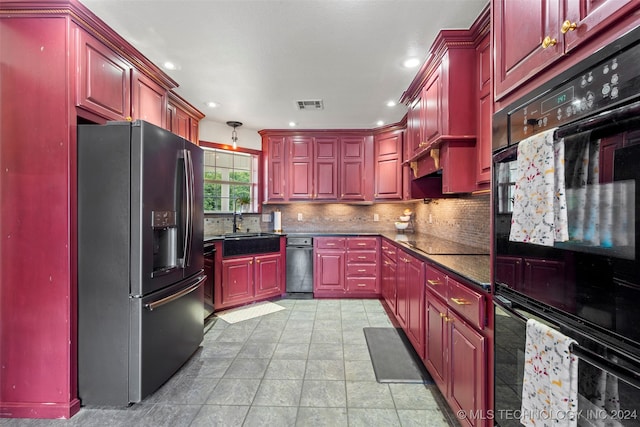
(465, 219)
(462, 219)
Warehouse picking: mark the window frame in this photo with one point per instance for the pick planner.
(260, 174)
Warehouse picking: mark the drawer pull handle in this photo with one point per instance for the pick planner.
(434, 282)
(362, 285)
(443, 315)
(568, 26)
(460, 301)
(362, 257)
(362, 244)
(331, 244)
(362, 270)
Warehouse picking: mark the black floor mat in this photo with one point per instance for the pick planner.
(394, 359)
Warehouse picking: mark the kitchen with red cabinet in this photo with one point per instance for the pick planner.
(343, 186)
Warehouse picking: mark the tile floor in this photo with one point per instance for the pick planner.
(307, 365)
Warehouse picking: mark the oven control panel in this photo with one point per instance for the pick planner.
(602, 86)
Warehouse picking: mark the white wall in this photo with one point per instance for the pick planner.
(211, 131)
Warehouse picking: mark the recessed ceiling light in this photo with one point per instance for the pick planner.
(391, 103)
(292, 124)
(379, 123)
(212, 104)
(411, 62)
(170, 65)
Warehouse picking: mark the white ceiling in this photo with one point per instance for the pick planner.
(257, 57)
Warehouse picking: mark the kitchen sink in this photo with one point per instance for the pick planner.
(248, 235)
(235, 244)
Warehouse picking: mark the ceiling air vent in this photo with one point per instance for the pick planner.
(310, 104)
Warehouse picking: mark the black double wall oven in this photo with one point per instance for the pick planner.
(585, 281)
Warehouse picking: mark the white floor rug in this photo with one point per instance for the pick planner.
(239, 314)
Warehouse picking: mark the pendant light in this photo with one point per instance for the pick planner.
(234, 134)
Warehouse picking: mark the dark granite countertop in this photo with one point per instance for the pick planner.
(470, 263)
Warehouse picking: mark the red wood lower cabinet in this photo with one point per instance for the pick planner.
(237, 281)
(456, 358)
(415, 304)
(388, 280)
(268, 274)
(467, 371)
(249, 278)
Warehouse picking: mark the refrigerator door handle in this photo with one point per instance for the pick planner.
(191, 206)
(188, 184)
(166, 300)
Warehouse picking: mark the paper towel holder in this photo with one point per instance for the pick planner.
(277, 221)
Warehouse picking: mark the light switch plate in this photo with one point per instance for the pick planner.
(299, 216)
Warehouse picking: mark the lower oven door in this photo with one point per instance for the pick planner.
(606, 395)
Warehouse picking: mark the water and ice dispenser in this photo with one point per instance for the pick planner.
(165, 235)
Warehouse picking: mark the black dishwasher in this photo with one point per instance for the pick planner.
(299, 266)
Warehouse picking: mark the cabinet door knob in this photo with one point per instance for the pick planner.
(548, 41)
(568, 26)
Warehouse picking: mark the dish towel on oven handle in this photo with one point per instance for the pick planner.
(539, 200)
(550, 383)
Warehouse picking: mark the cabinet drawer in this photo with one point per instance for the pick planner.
(436, 281)
(361, 284)
(361, 270)
(389, 250)
(361, 257)
(367, 243)
(330, 242)
(466, 302)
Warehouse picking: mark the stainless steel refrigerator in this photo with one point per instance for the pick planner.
(140, 259)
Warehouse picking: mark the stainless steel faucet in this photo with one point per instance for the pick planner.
(236, 216)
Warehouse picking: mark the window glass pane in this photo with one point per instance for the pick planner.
(228, 176)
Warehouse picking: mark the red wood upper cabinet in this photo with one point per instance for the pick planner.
(313, 168)
(325, 168)
(485, 111)
(586, 18)
(388, 166)
(550, 29)
(276, 170)
(148, 100)
(413, 133)
(104, 79)
(353, 168)
(182, 118)
(519, 30)
(431, 109)
(300, 168)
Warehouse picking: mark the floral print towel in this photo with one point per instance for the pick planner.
(539, 201)
(550, 383)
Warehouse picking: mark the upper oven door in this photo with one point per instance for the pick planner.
(592, 272)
